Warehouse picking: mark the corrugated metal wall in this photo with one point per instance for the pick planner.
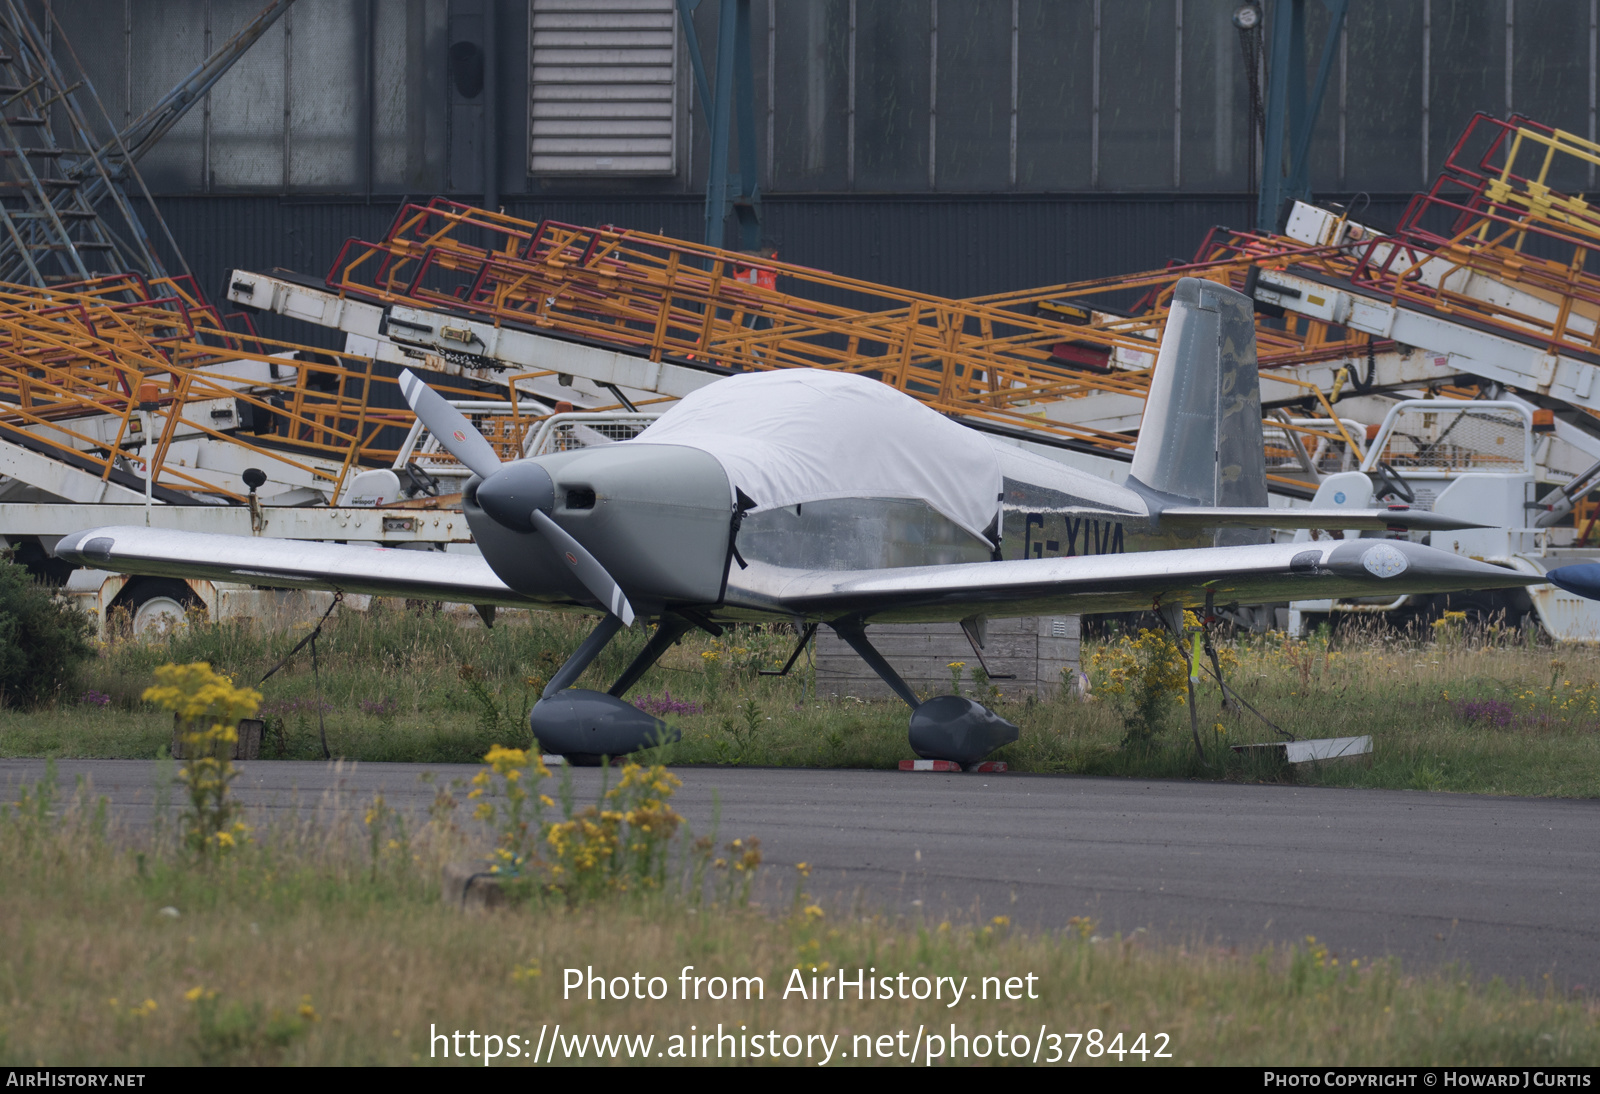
(1041, 175)
(860, 96)
(949, 246)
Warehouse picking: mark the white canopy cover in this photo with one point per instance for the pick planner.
(791, 436)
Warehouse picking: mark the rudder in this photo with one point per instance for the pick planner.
(1200, 440)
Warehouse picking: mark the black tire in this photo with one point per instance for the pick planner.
(591, 759)
(148, 601)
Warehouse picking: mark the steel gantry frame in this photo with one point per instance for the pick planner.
(65, 214)
(1011, 362)
(1342, 309)
(118, 374)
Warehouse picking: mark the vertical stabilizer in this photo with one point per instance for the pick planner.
(1200, 440)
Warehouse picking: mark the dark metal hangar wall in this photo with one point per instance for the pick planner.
(953, 146)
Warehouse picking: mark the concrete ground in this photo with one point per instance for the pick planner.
(1508, 886)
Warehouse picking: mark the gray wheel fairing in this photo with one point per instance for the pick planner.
(579, 722)
(951, 727)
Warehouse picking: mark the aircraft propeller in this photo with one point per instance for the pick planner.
(518, 495)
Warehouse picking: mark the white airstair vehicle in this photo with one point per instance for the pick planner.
(1477, 460)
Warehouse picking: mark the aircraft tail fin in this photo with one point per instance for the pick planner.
(1200, 441)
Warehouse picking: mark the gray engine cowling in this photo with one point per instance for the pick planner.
(657, 517)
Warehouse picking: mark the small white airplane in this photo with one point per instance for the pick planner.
(820, 497)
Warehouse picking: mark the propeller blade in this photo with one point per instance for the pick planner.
(587, 567)
(466, 444)
(448, 424)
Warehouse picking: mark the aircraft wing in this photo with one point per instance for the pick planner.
(1255, 574)
(1083, 584)
(290, 564)
(1377, 520)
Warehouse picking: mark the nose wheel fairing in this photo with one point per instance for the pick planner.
(585, 725)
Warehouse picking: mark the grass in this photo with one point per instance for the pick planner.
(318, 944)
(1480, 711)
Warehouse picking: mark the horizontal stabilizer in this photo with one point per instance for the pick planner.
(1412, 520)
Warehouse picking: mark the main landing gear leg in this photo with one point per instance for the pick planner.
(586, 726)
(854, 632)
(946, 727)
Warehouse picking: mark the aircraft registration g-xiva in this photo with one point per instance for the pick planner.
(825, 498)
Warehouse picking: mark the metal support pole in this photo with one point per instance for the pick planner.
(748, 206)
(721, 116)
(1344, 97)
(369, 103)
(1094, 102)
(1427, 84)
(1511, 43)
(1311, 106)
(1177, 95)
(1288, 28)
(491, 102)
(735, 80)
(850, 104)
(772, 84)
(1292, 109)
(933, 93)
(1011, 173)
(1172, 615)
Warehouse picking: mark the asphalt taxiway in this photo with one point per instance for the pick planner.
(1507, 886)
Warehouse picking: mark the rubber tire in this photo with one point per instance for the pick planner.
(146, 589)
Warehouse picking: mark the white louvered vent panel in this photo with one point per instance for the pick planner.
(602, 82)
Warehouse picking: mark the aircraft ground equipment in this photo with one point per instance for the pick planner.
(1017, 362)
(1467, 458)
(133, 396)
(114, 375)
(1067, 365)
